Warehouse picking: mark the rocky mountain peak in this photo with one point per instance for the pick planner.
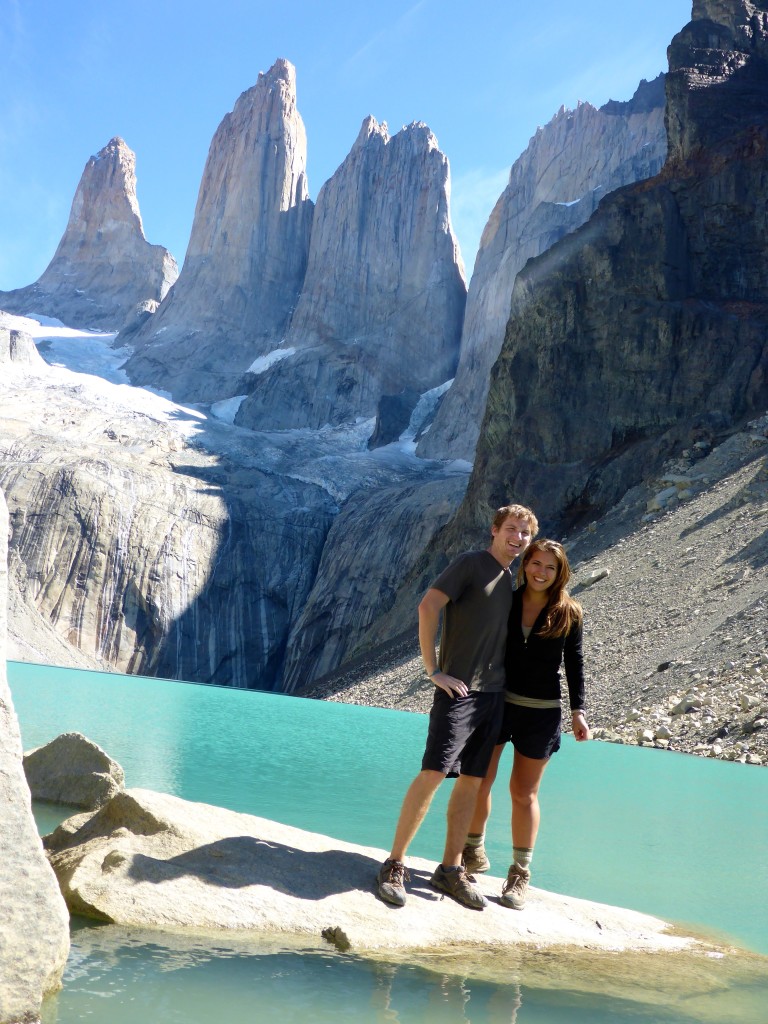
(554, 186)
(282, 71)
(718, 75)
(103, 268)
(371, 127)
(735, 14)
(382, 301)
(111, 174)
(247, 252)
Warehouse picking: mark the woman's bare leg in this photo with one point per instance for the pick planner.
(524, 785)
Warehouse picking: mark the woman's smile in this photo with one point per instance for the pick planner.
(540, 570)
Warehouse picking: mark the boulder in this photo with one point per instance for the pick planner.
(18, 351)
(74, 771)
(103, 266)
(155, 861)
(34, 923)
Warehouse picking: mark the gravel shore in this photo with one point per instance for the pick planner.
(674, 586)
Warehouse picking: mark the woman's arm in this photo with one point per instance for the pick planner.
(573, 659)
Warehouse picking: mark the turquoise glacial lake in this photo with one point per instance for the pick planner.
(669, 834)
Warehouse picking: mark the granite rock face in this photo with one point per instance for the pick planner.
(73, 770)
(151, 538)
(142, 540)
(104, 267)
(646, 329)
(383, 298)
(554, 187)
(34, 923)
(354, 583)
(247, 252)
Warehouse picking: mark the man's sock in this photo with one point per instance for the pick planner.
(522, 856)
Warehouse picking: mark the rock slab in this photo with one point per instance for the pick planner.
(34, 924)
(74, 771)
(144, 551)
(151, 860)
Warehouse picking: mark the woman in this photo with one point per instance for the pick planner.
(545, 630)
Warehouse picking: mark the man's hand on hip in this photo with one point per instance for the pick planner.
(453, 687)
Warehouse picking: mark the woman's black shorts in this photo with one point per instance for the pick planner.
(535, 732)
(462, 733)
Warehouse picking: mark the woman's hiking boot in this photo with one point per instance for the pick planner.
(475, 859)
(514, 890)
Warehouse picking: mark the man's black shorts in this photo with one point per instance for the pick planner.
(462, 733)
(535, 732)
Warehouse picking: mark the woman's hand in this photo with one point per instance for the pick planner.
(580, 727)
(453, 687)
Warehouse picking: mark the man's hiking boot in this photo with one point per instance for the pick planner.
(475, 859)
(514, 889)
(390, 881)
(455, 882)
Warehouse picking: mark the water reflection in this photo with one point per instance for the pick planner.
(128, 976)
(407, 996)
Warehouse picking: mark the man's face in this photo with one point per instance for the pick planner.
(510, 539)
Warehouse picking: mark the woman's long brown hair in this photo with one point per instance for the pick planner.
(562, 611)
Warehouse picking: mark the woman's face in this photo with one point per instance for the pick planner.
(541, 570)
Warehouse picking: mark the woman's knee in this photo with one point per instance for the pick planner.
(523, 796)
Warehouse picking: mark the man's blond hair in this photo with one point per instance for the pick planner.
(520, 512)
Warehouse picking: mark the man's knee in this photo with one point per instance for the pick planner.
(469, 781)
(431, 778)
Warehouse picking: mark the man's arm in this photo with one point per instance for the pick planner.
(430, 607)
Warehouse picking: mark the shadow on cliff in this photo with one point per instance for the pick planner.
(238, 862)
(221, 578)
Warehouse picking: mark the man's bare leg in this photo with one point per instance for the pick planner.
(482, 810)
(415, 806)
(461, 807)
(450, 876)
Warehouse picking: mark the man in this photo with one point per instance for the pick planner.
(474, 595)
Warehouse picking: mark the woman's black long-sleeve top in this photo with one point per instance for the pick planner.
(533, 665)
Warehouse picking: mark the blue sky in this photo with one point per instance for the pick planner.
(162, 74)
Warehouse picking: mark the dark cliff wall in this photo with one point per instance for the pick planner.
(647, 327)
